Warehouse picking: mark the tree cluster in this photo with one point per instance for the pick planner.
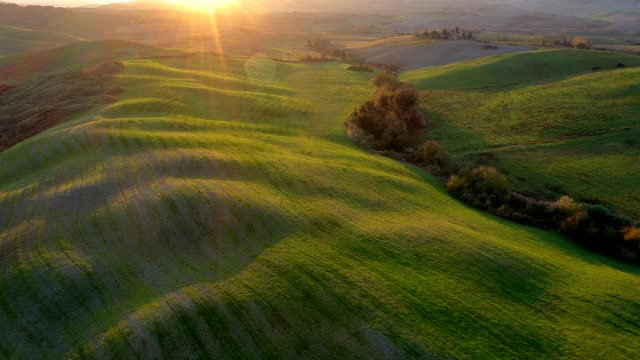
(391, 119)
(447, 34)
(311, 59)
(360, 68)
(576, 42)
(592, 226)
(321, 45)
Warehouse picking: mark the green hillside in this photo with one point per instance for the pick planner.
(574, 135)
(515, 69)
(219, 211)
(29, 66)
(16, 39)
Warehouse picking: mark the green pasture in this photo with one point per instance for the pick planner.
(219, 211)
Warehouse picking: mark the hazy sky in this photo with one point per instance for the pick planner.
(64, 2)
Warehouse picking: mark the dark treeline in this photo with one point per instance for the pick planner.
(447, 34)
(392, 122)
(328, 51)
(577, 42)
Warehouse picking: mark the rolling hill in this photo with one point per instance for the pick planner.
(556, 126)
(416, 54)
(23, 67)
(16, 40)
(516, 69)
(218, 210)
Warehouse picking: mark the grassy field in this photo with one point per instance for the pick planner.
(545, 118)
(515, 69)
(218, 211)
(408, 52)
(16, 39)
(78, 56)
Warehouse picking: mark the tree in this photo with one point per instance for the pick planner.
(432, 154)
(391, 119)
(385, 78)
(631, 234)
(483, 187)
(579, 42)
(543, 41)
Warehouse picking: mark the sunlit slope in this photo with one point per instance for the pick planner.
(16, 39)
(575, 135)
(79, 55)
(515, 69)
(218, 211)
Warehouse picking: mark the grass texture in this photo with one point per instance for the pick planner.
(218, 211)
(549, 121)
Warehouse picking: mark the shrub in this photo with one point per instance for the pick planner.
(361, 68)
(395, 134)
(596, 228)
(405, 97)
(580, 43)
(565, 207)
(359, 136)
(631, 234)
(482, 187)
(631, 243)
(577, 225)
(430, 153)
(385, 78)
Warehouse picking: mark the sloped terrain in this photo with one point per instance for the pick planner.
(218, 211)
(34, 106)
(546, 118)
(516, 69)
(24, 67)
(16, 39)
(420, 54)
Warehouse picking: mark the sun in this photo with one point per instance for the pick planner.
(207, 5)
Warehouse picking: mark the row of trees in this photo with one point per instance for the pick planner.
(592, 226)
(328, 51)
(577, 42)
(447, 34)
(320, 45)
(392, 121)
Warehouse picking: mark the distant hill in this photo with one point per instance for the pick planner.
(16, 39)
(567, 7)
(139, 5)
(22, 67)
(515, 69)
(558, 122)
(577, 7)
(419, 55)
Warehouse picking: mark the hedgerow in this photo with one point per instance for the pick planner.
(391, 122)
